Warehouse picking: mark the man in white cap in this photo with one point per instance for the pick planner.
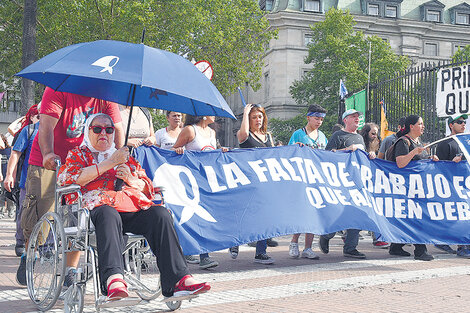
(346, 139)
(450, 150)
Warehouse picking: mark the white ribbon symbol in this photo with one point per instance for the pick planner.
(168, 177)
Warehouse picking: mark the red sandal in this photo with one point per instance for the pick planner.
(119, 292)
(182, 289)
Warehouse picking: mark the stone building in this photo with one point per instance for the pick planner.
(423, 30)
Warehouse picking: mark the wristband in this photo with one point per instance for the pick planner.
(97, 170)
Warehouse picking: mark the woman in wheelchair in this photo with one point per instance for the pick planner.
(95, 165)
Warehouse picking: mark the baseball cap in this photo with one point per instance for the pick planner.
(351, 111)
(454, 117)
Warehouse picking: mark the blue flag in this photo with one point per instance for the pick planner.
(220, 200)
(342, 89)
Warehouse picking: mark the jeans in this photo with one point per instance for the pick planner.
(261, 247)
(19, 231)
(351, 241)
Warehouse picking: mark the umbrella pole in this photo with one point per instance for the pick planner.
(119, 182)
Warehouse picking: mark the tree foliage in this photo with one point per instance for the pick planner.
(462, 54)
(339, 52)
(231, 34)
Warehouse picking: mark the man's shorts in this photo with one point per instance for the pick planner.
(40, 197)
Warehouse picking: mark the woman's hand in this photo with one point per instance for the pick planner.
(247, 109)
(120, 156)
(457, 158)
(150, 141)
(418, 150)
(434, 157)
(372, 155)
(124, 172)
(224, 149)
(179, 150)
(135, 142)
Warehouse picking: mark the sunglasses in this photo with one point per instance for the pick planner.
(99, 129)
(460, 122)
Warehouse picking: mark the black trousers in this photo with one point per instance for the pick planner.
(156, 225)
(419, 248)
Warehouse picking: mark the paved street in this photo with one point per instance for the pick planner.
(380, 283)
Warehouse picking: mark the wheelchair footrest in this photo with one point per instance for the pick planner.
(180, 298)
(129, 301)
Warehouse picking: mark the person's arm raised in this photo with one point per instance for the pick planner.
(244, 131)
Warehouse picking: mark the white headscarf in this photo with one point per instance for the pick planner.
(102, 155)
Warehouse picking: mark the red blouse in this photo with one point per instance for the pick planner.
(101, 190)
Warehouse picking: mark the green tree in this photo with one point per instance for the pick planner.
(230, 34)
(339, 52)
(462, 54)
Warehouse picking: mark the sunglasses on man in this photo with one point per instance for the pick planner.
(460, 122)
(98, 129)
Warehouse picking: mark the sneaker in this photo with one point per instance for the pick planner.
(191, 259)
(463, 253)
(309, 254)
(354, 254)
(424, 257)
(294, 250)
(381, 244)
(399, 252)
(69, 278)
(233, 252)
(19, 249)
(263, 258)
(446, 249)
(21, 272)
(272, 243)
(324, 245)
(206, 263)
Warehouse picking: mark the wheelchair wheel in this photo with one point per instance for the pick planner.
(173, 305)
(45, 261)
(141, 272)
(74, 299)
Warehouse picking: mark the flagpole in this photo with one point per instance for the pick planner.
(368, 76)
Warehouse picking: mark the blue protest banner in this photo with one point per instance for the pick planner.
(224, 199)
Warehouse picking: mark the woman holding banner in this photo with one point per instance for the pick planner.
(253, 133)
(198, 136)
(408, 148)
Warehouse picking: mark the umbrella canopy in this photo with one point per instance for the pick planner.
(130, 74)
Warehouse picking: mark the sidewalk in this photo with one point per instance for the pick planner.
(381, 283)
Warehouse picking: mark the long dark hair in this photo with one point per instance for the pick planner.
(192, 120)
(410, 120)
(365, 134)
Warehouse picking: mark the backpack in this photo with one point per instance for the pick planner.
(390, 153)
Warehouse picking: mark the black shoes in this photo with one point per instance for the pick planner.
(324, 245)
(354, 254)
(272, 243)
(424, 257)
(399, 252)
(21, 272)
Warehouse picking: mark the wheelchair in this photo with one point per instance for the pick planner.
(69, 228)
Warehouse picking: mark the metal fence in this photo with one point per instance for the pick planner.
(410, 92)
(11, 101)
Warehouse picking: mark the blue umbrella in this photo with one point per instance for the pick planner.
(130, 74)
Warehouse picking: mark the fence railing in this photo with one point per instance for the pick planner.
(410, 92)
(11, 101)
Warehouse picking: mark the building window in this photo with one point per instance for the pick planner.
(433, 16)
(269, 5)
(308, 39)
(462, 18)
(430, 49)
(391, 11)
(312, 5)
(373, 9)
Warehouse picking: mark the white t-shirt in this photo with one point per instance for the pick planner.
(164, 140)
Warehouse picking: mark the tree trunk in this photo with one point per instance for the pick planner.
(29, 53)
